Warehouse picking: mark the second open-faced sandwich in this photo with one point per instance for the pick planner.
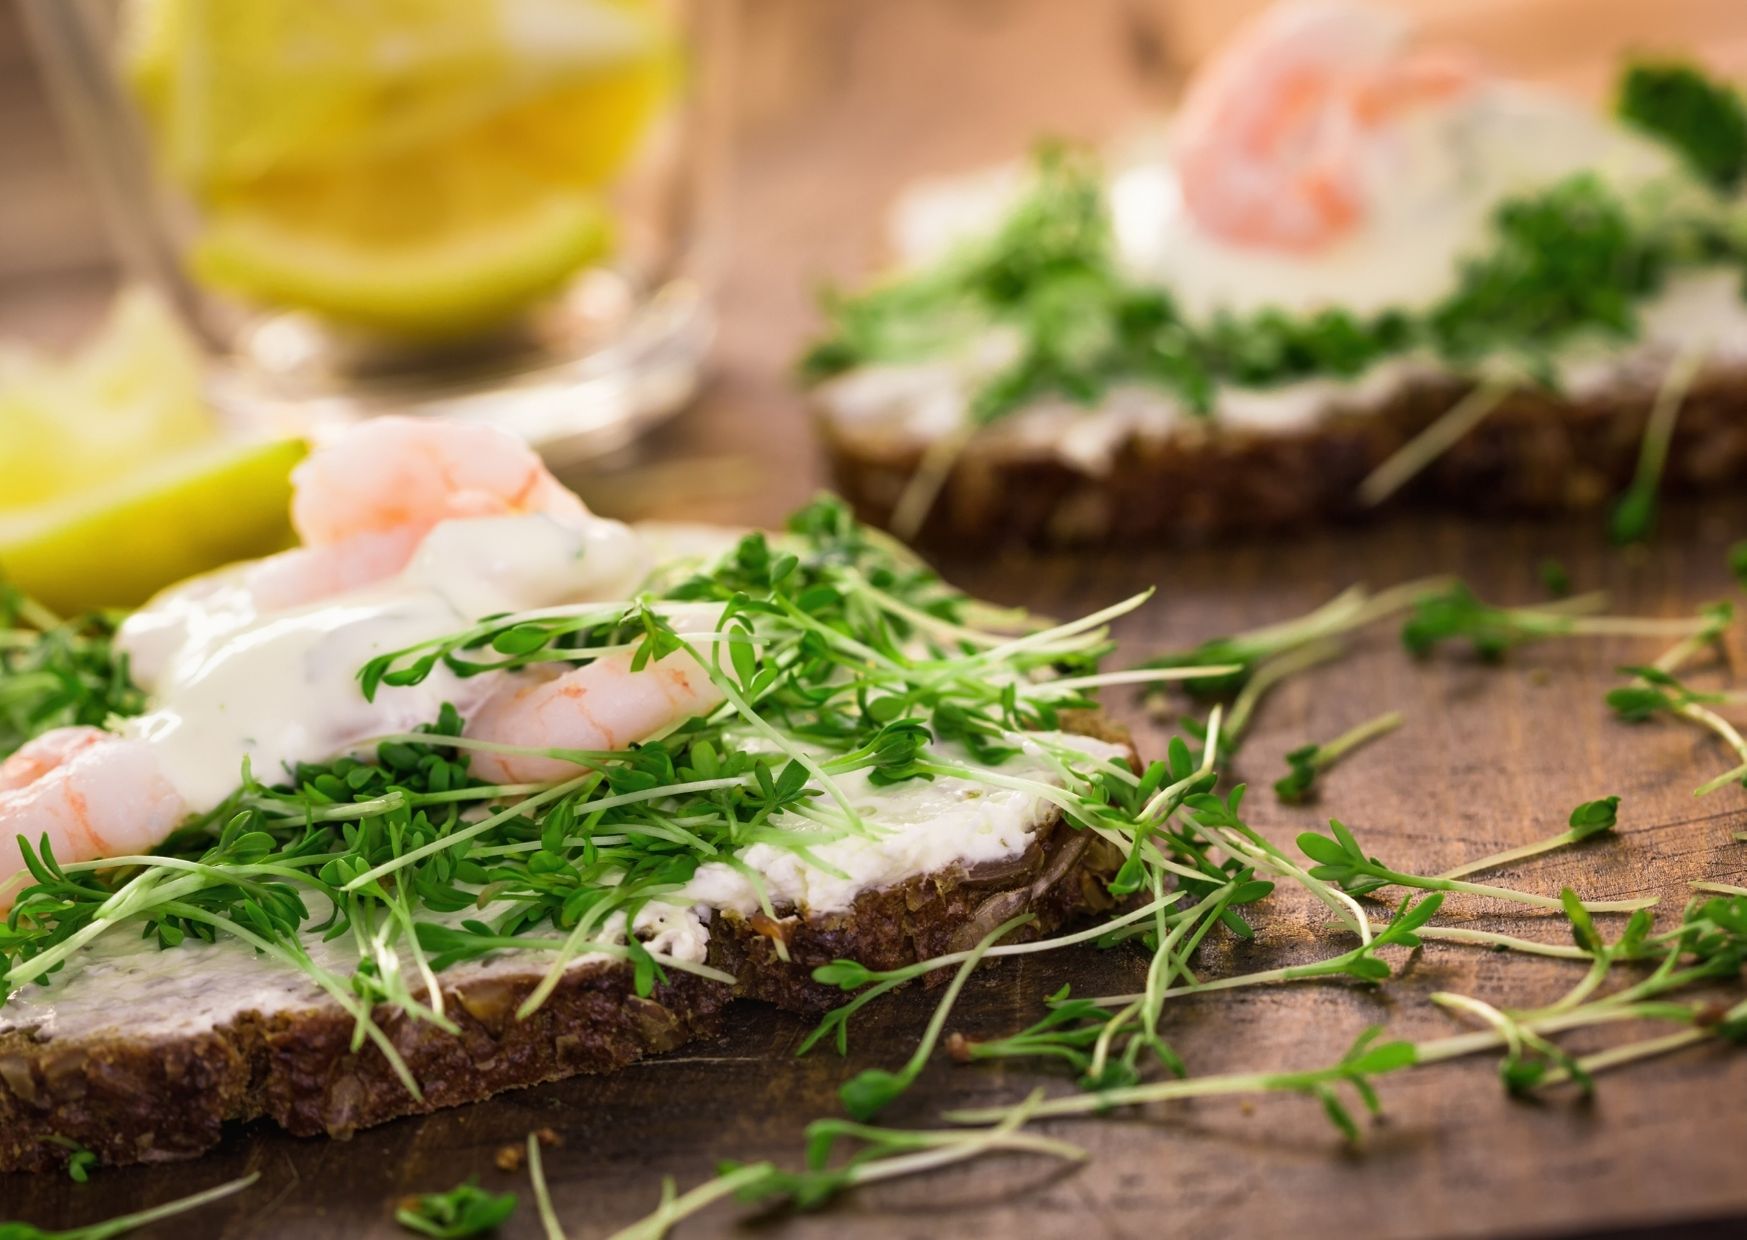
(1350, 265)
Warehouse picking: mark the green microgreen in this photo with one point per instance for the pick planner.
(542, 1194)
(1586, 821)
(1275, 651)
(465, 1210)
(1339, 859)
(1555, 578)
(125, 1223)
(851, 976)
(1705, 121)
(56, 673)
(1438, 436)
(1634, 512)
(1367, 1059)
(1455, 614)
(1566, 260)
(883, 1154)
(871, 1090)
(79, 1159)
(1405, 929)
(1654, 689)
(1308, 762)
(838, 655)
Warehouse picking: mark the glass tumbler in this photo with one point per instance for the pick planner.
(506, 210)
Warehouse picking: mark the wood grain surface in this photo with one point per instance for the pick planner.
(843, 101)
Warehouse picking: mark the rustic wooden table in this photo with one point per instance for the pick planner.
(842, 102)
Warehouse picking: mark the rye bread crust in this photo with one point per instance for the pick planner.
(135, 1100)
(1533, 453)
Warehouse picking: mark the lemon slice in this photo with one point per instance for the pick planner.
(117, 547)
(74, 422)
(446, 277)
(237, 90)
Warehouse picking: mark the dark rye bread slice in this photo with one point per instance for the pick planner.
(155, 1099)
(1533, 453)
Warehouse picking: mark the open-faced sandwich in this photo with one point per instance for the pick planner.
(476, 789)
(1349, 265)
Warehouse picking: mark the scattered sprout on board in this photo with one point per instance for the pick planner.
(123, 1224)
(1215, 863)
(465, 1210)
(1307, 763)
(846, 655)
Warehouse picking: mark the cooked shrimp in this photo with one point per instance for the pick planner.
(38, 757)
(395, 473)
(1269, 145)
(364, 504)
(306, 574)
(602, 705)
(91, 793)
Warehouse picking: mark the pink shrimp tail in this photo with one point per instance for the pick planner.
(391, 473)
(37, 757)
(1269, 139)
(90, 793)
(307, 574)
(601, 706)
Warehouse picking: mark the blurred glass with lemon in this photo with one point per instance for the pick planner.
(494, 209)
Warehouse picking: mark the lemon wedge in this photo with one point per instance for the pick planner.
(114, 480)
(180, 516)
(465, 265)
(80, 422)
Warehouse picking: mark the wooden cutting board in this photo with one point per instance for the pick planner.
(1490, 757)
(842, 102)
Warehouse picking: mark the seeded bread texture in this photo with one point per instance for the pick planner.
(1534, 453)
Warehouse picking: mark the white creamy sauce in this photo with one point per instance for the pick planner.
(228, 680)
(1432, 185)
